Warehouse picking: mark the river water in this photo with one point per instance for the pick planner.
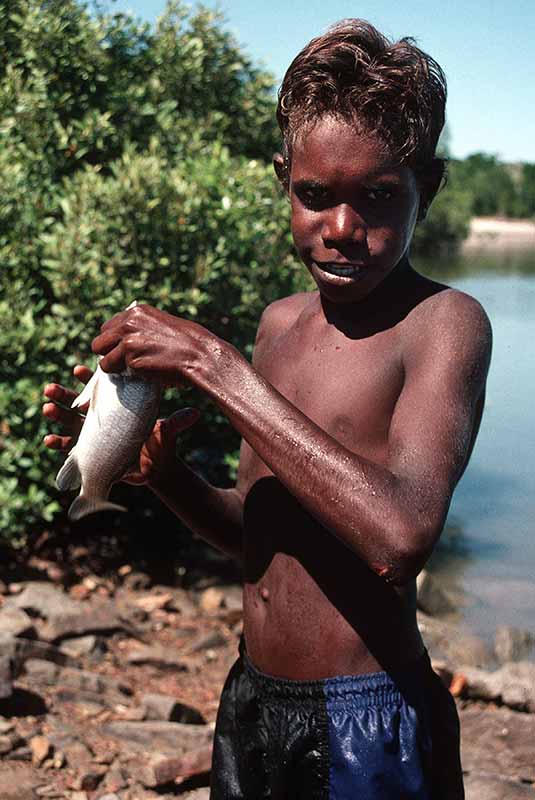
(487, 550)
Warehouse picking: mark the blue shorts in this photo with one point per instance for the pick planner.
(366, 737)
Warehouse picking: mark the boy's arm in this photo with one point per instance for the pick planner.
(212, 513)
(390, 515)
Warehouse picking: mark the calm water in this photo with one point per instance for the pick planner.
(488, 547)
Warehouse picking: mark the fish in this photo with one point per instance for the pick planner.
(122, 411)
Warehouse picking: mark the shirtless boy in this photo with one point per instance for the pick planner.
(358, 416)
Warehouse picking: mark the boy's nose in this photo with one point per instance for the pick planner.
(343, 224)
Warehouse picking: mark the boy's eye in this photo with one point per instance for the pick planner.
(313, 198)
(378, 194)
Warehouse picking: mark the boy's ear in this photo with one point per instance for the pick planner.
(281, 170)
(430, 183)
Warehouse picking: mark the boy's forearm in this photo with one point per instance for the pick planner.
(212, 513)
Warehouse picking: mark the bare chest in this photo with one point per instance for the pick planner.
(347, 386)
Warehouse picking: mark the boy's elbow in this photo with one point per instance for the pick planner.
(409, 554)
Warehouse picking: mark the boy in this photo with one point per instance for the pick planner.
(358, 416)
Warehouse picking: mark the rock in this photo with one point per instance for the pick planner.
(19, 782)
(174, 737)
(41, 672)
(165, 707)
(206, 641)
(15, 622)
(164, 769)
(156, 657)
(136, 581)
(85, 680)
(6, 686)
(90, 779)
(498, 742)
(153, 602)
(197, 794)
(431, 597)
(115, 779)
(91, 617)
(41, 748)
(513, 685)
(111, 796)
(512, 644)
(211, 600)
(45, 600)
(452, 644)
(10, 741)
(81, 645)
(488, 787)
(20, 650)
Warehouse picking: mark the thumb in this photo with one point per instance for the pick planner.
(179, 421)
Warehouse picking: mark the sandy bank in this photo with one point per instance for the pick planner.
(497, 232)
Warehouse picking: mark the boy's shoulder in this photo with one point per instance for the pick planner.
(281, 314)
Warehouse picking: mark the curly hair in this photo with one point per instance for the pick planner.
(392, 89)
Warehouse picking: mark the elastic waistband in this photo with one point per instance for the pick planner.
(376, 689)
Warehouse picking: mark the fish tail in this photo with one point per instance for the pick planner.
(83, 505)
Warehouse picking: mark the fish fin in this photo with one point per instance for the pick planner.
(86, 395)
(82, 506)
(133, 304)
(69, 476)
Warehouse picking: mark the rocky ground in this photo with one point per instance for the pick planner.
(109, 686)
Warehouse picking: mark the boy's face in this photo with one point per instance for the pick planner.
(353, 209)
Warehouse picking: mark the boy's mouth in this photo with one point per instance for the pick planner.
(346, 270)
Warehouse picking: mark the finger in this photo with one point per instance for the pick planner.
(115, 320)
(54, 391)
(84, 374)
(114, 361)
(54, 442)
(69, 418)
(180, 421)
(104, 343)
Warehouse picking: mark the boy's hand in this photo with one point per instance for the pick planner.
(158, 453)
(69, 420)
(153, 343)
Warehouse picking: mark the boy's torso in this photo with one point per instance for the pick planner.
(312, 608)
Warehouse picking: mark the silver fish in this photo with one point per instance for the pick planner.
(121, 414)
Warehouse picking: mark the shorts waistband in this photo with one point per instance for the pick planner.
(377, 689)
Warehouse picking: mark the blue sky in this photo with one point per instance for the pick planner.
(485, 47)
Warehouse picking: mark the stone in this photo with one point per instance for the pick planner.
(85, 680)
(174, 737)
(41, 749)
(15, 622)
(45, 600)
(491, 787)
(153, 602)
(165, 707)
(164, 769)
(452, 644)
(211, 600)
(20, 650)
(90, 779)
(157, 657)
(431, 597)
(500, 742)
(6, 686)
(197, 794)
(9, 741)
(512, 644)
(136, 581)
(108, 796)
(41, 672)
(78, 646)
(513, 684)
(206, 641)
(91, 617)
